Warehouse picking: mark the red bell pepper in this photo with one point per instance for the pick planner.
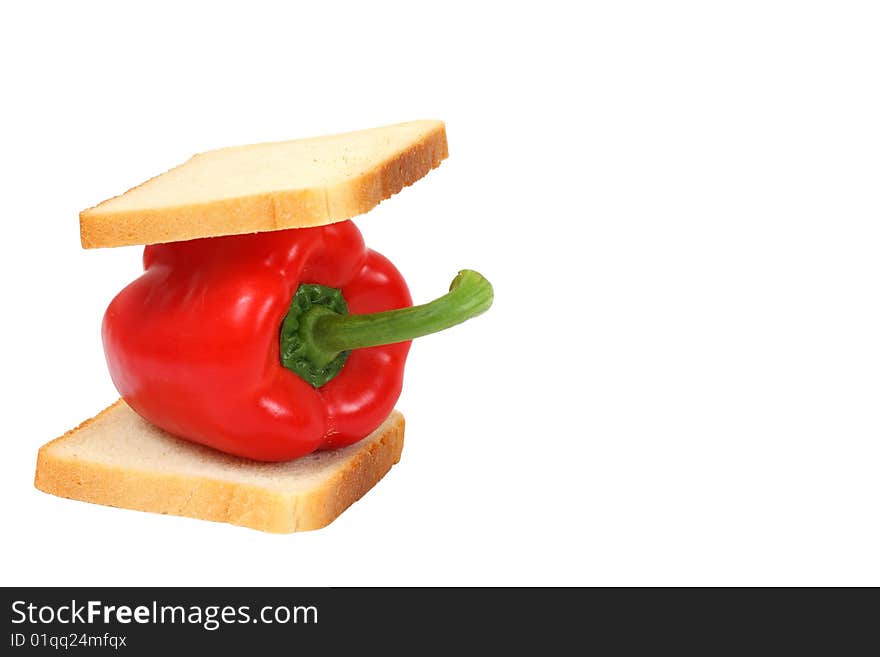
(271, 345)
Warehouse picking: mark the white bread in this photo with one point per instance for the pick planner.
(119, 459)
(271, 186)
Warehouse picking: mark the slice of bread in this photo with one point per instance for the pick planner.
(119, 459)
(290, 184)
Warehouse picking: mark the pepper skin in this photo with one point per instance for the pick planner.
(192, 345)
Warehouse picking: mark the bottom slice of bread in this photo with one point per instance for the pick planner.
(119, 459)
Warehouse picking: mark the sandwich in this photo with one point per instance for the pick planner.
(259, 357)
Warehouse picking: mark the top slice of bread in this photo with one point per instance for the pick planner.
(270, 186)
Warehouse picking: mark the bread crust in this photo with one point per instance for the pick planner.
(275, 210)
(254, 505)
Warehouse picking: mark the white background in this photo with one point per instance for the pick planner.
(676, 202)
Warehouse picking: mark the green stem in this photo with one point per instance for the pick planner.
(469, 295)
(317, 333)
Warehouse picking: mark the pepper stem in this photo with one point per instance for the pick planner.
(318, 333)
(469, 295)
